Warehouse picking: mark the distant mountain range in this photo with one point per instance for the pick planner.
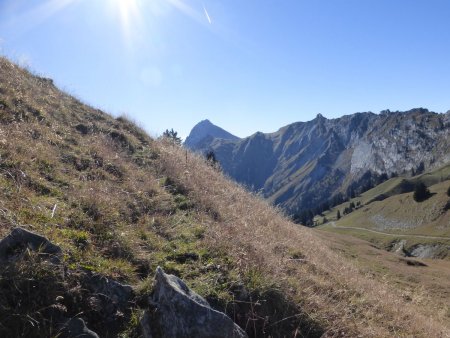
(306, 164)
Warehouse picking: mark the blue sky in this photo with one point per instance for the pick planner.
(247, 65)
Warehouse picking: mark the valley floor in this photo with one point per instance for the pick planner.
(421, 281)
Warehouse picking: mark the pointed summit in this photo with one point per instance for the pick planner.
(319, 116)
(206, 129)
(204, 124)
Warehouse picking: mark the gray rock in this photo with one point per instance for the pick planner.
(427, 250)
(399, 247)
(109, 300)
(114, 291)
(180, 312)
(20, 239)
(76, 328)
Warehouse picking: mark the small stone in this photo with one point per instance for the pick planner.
(76, 328)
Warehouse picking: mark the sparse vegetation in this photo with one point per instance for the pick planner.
(211, 158)
(350, 208)
(172, 136)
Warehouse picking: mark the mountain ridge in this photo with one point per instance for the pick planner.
(305, 164)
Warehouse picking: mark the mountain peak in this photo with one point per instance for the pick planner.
(205, 122)
(206, 129)
(319, 116)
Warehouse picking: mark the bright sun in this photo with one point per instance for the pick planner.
(126, 6)
(128, 11)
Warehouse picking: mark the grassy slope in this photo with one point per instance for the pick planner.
(399, 185)
(427, 282)
(398, 213)
(126, 203)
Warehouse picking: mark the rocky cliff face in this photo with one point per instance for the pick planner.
(306, 163)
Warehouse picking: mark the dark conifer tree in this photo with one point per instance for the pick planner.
(421, 192)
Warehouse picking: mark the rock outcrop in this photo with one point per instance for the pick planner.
(109, 299)
(20, 239)
(177, 311)
(105, 304)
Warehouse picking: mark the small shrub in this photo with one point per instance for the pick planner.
(69, 159)
(82, 129)
(3, 104)
(182, 202)
(172, 136)
(83, 164)
(447, 206)
(211, 158)
(199, 232)
(122, 140)
(40, 188)
(173, 186)
(46, 169)
(80, 238)
(92, 210)
(114, 170)
(421, 192)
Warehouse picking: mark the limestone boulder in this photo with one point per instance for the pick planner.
(177, 311)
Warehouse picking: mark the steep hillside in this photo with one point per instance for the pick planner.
(304, 165)
(119, 204)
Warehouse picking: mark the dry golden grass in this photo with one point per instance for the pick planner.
(329, 289)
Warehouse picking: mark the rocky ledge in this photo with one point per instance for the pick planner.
(74, 300)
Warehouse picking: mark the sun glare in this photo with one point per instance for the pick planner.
(128, 11)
